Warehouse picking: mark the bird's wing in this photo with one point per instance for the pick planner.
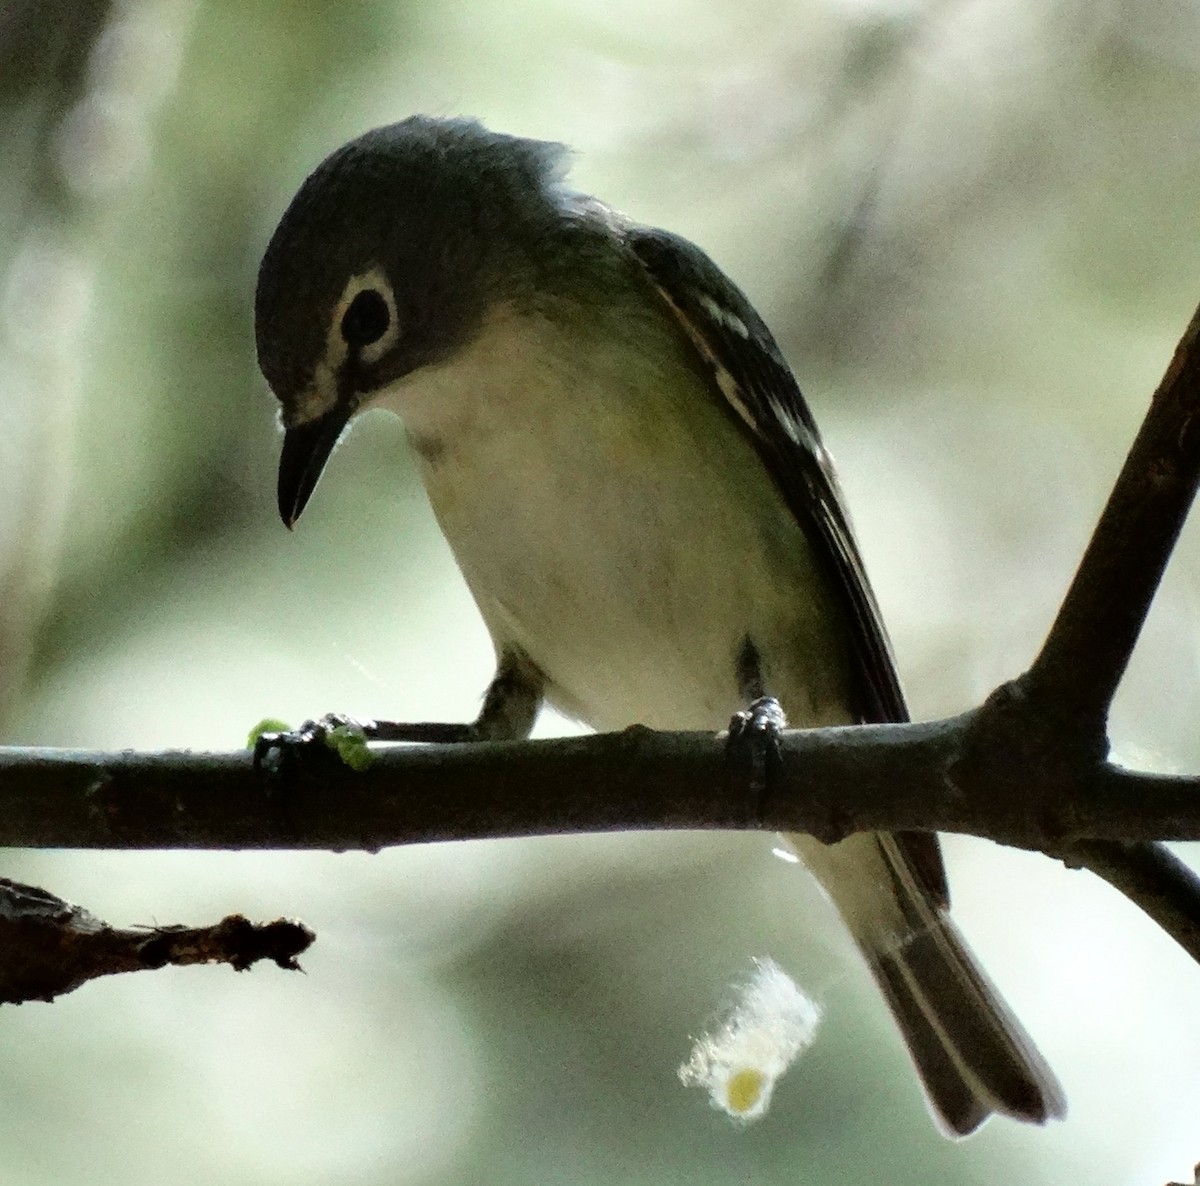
(752, 377)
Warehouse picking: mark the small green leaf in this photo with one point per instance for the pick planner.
(350, 745)
(266, 725)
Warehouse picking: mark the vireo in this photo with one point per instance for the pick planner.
(636, 494)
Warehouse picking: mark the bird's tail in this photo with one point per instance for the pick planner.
(973, 1056)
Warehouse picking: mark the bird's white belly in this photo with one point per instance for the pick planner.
(628, 540)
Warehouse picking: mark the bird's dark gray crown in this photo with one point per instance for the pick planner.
(432, 202)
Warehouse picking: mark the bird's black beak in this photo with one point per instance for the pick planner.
(306, 448)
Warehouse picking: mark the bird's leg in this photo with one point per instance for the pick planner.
(753, 745)
(510, 707)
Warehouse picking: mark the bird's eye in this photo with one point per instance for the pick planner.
(366, 319)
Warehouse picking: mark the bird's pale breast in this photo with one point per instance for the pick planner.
(613, 520)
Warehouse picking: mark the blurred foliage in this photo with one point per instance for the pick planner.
(973, 227)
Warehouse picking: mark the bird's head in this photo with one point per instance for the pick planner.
(387, 261)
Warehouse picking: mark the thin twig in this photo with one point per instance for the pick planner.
(50, 947)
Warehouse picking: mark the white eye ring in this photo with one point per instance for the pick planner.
(371, 281)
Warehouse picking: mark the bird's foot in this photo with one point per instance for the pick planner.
(753, 747)
(277, 752)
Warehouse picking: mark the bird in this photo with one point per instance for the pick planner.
(637, 496)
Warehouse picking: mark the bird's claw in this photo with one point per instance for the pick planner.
(764, 717)
(276, 753)
(753, 746)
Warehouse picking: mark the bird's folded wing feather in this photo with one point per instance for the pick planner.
(751, 376)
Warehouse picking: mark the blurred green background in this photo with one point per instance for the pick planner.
(973, 226)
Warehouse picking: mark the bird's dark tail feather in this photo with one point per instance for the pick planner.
(973, 1056)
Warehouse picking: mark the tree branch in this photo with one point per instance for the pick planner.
(831, 782)
(1088, 648)
(1028, 768)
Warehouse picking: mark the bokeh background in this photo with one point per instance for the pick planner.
(973, 225)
